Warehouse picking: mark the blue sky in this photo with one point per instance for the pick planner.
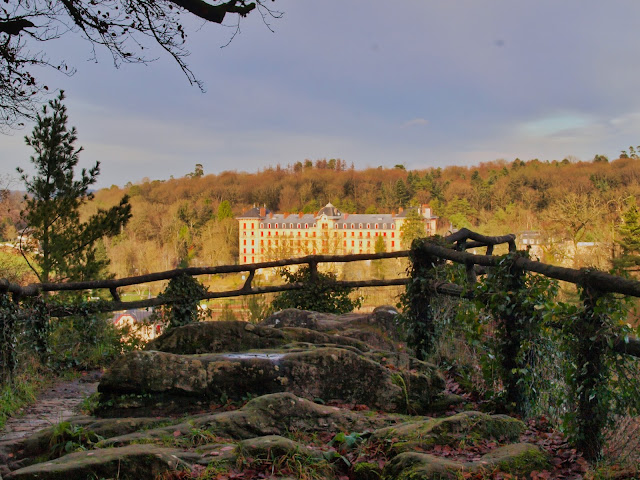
(419, 82)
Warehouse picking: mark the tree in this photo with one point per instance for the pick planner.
(412, 228)
(123, 27)
(68, 247)
(224, 210)
(321, 294)
(629, 240)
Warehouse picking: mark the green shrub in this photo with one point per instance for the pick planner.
(321, 294)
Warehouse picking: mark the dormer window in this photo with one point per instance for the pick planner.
(368, 226)
(298, 225)
(352, 225)
(268, 225)
(291, 225)
(376, 226)
(306, 225)
(262, 225)
(359, 225)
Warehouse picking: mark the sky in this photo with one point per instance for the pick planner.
(422, 83)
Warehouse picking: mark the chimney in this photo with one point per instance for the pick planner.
(263, 211)
(270, 214)
(346, 215)
(285, 214)
(300, 214)
(400, 210)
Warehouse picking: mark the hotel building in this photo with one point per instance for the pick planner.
(265, 236)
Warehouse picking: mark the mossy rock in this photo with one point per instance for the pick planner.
(326, 373)
(468, 426)
(214, 337)
(39, 444)
(518, 459)
(271, 446)
(274, 414)
(130, 462)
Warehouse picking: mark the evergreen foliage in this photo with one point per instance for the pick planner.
(413, 227)
(629, 237)
(68, 247)
(185, 310)
(321, 294)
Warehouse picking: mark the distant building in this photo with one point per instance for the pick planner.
(264, 235)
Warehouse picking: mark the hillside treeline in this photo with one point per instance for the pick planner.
(189, 221)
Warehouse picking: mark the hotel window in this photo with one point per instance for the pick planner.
(253, 225)
(244, 225)
(244, 242)
(393, 226)
(262, 234)
(268, 225)
(345, 234)
(306, 225)
(244, 259)
(393, 244)
(393, 234)
(368, 226)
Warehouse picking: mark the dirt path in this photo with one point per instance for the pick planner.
(55, 404)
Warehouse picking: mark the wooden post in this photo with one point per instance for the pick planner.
(7, 338)
(591, 375)
(420, 292)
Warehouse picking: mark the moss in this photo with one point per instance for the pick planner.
(518, 459)
(366, 471)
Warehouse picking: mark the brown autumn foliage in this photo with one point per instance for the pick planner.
(175, 221)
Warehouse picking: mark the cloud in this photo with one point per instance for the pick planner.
(415, 122)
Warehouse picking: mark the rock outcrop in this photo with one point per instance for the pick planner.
(326, 373)
(293, 368)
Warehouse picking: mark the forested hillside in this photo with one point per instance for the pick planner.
(189, 221)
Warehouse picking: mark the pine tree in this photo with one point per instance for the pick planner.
(629, 237)
(68, 248)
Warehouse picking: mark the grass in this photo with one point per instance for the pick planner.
(22, 391)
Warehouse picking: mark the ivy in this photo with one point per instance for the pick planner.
(601, 383)
(8, 337)
(509, 308)
(419, 303)
(186, 309)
